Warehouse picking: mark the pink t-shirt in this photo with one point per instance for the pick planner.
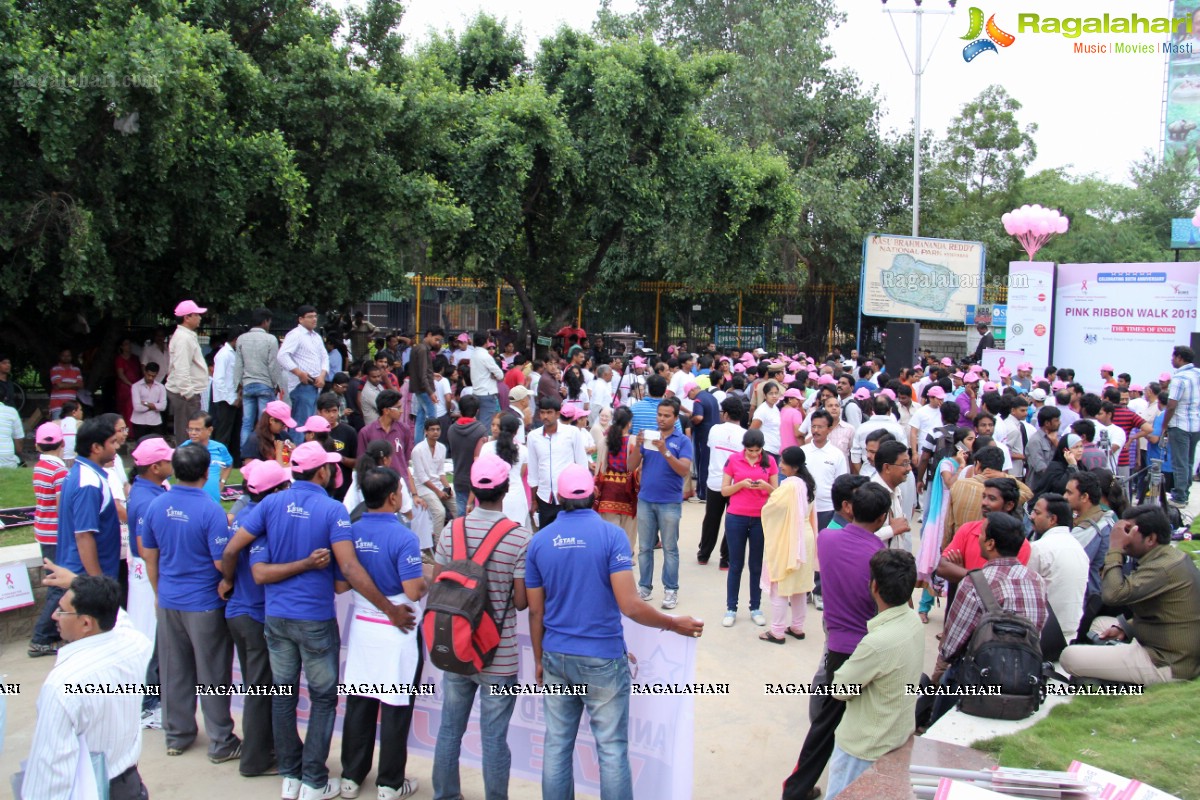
(749, 502)
(789, 419)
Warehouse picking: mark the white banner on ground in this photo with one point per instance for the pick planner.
(1031, 311)
(661, 730)
(1125, 315)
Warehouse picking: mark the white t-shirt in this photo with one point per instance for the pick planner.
(825, 464)
(1062, 562)
(677, 383)
(769, 416)
(601, 398)
(441, 388)
(628, 382)
(10, 430)
(724, 440)
(69, 426)
(925, 421)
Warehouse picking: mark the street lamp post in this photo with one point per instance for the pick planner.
(918, 69)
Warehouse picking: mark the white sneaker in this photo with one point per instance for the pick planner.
(350, 789)
(819, 602)
(291, 789)
(152, 719)
(643, 593)
(670, 598)
(758, 618)
(327, 792)
(730, 618)
(409, 787)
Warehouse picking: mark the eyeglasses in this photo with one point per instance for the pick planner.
(901, 465)
(60, 612)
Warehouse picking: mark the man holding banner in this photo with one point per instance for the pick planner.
(579, 580)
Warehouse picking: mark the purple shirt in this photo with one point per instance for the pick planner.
(964, 405)
(845, 556)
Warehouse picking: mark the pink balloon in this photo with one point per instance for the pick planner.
(1005, 217)
(1063, 224)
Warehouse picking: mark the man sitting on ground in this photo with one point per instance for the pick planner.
(1163, 594)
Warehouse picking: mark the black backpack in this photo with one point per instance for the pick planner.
(460, 625)
(1005, 652)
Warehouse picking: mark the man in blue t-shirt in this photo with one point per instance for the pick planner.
(151, 467)
(178, 532)
(246, 616)
(666, 461)
(579, 580)
(200, 429)
(391, 555)
(303, 529)
(89, 532)
(706, 412)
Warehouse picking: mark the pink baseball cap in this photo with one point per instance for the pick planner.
(971, 377)
(315, 424)
(1057, 386)
(687, 387)
(796, 393)
(918, 365)
(888, 393)
(1136, 387)
(990, 387)
(862, 394)
(959, 375)
(1107, 368)
(1163, 377)
(263, 475)
(489, 471)
(937, 392)
(575, 482)
(739, 367)
(462, 337)
(975, 368)
(789, 379)
(48, 433)
(868, 363)
(1025, 365)
(947, 362)
(280, 411)
(312, 455)
(151, 451)
(188, 307)
(638, 362)
(826, 380)
(1005, 372)
(572, 412)
(794, 366)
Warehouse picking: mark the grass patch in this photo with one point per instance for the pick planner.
(1152, 738)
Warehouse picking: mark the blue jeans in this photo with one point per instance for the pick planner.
(489, 406)
(738, 531)
(661, 519)
(607, 704)
(458, 696)
(304, 405)
(460, 502)
(315, 645)
(426, 410)
(255, 397)
(1183, 450)
(843, 769)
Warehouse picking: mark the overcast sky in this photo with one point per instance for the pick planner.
(1095, 113)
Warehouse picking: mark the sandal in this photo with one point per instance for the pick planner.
(174, 751)
(794, 634)
(767, 637)
(924, 617)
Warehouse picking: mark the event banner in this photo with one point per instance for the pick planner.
(934, 279)
(1126, 315)
(1181, 137)
(993, 360)
(1030, 310)
(660, 724)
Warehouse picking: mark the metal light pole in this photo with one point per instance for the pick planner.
(917, 66)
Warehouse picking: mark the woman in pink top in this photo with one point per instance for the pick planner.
(790, 418)
(750, 477)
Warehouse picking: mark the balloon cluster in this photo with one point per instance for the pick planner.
(1033, 226)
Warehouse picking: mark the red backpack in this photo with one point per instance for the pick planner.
(460, 625)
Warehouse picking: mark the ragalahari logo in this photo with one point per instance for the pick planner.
(995, 36)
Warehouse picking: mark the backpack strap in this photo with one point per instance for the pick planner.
(458, 539)
(984, 590)
(492, 540)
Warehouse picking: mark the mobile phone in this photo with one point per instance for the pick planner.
(960, 447)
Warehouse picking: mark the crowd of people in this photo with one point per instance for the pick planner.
(554, 484)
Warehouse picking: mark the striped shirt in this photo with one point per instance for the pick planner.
(1128, 421)
(58, 374)
(303, 349)
(48, 477)
(507, 563)
(1185, 391)
(110, 723)
(645, 416)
